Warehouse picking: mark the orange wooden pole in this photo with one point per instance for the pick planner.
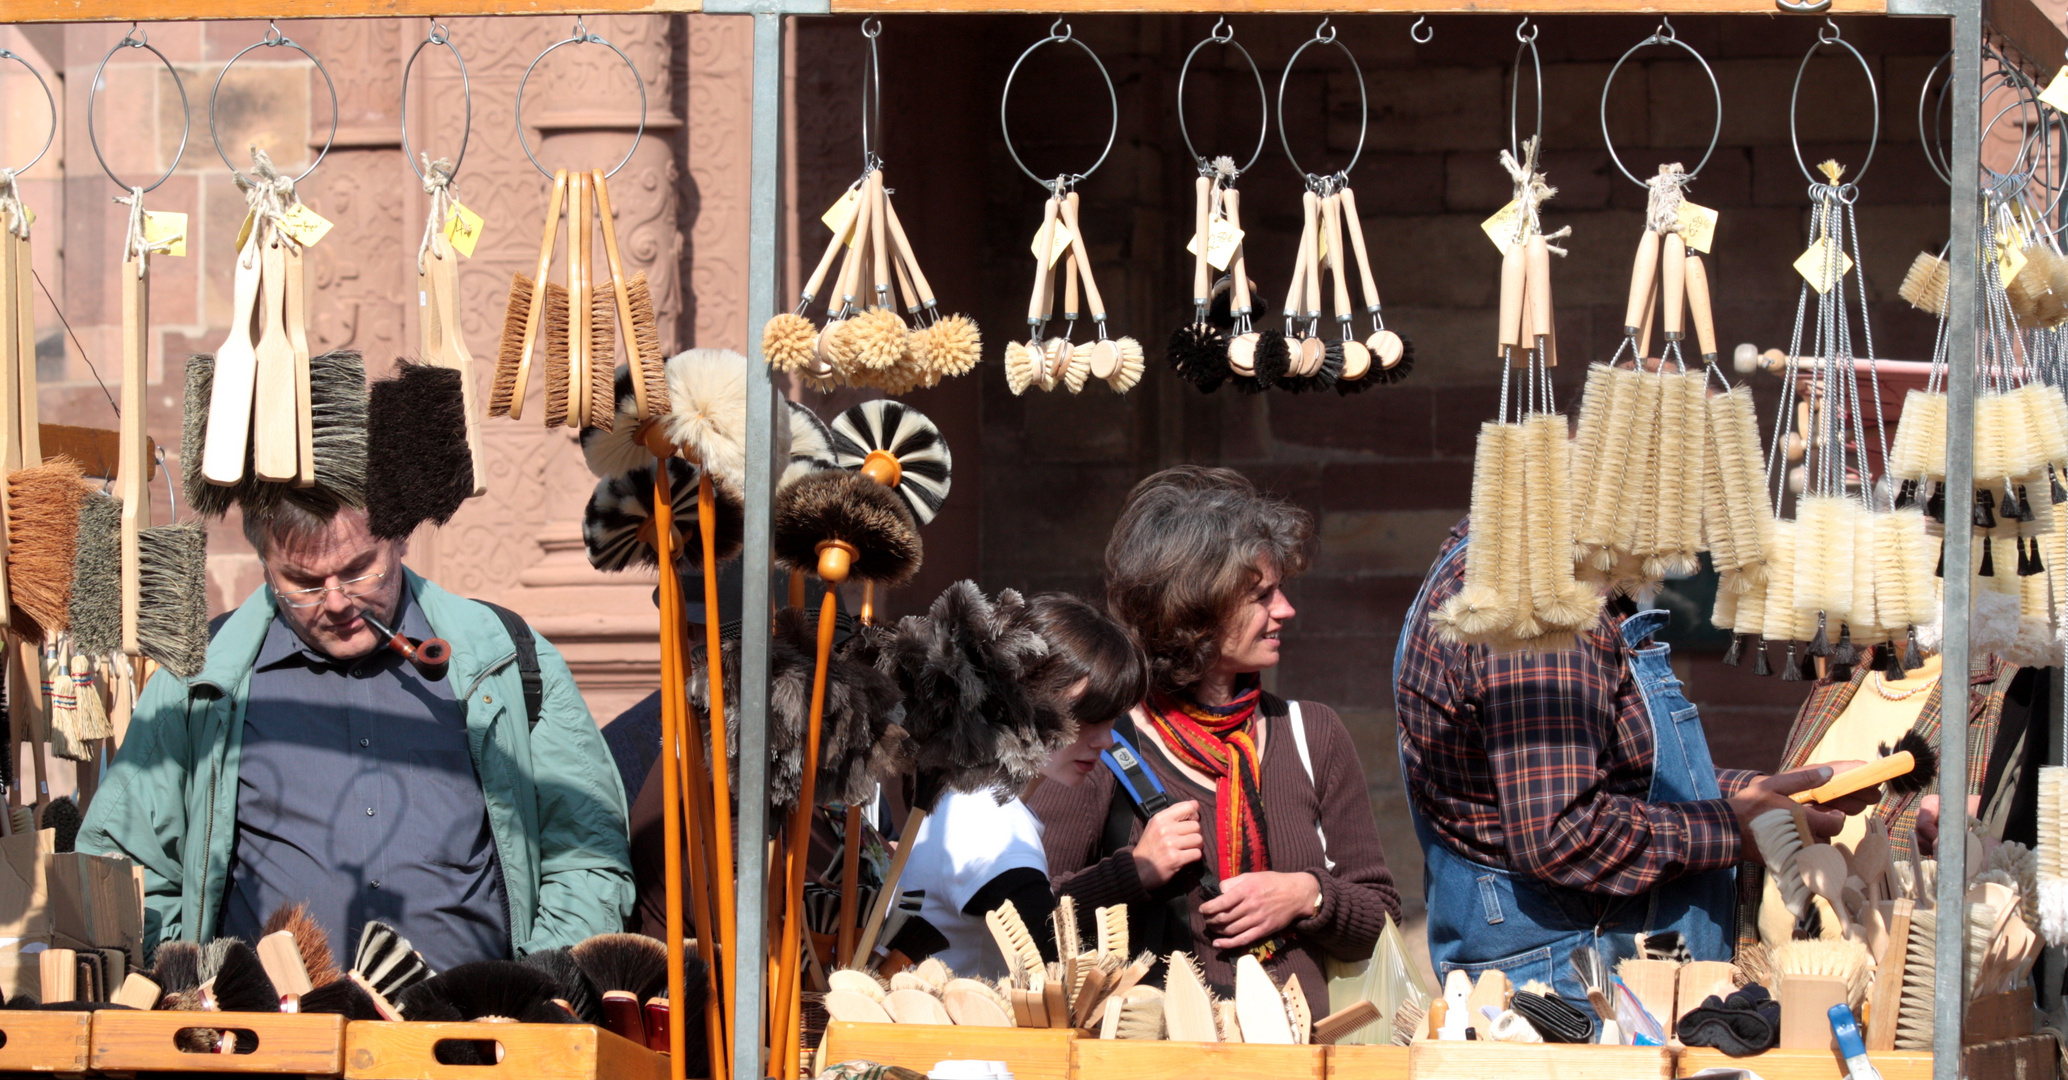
(721, 795)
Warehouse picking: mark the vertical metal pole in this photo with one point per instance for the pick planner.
(1949, 996)
(747, 1033)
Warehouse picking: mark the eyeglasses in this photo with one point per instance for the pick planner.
(355, 589)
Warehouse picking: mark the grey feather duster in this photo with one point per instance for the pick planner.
(975, 702)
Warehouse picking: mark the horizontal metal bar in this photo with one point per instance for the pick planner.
(84, 11)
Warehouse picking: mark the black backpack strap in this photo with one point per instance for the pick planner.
(527, 659)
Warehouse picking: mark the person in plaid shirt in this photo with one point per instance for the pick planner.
(1568, 798)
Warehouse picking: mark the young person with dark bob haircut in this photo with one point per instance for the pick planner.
(978, 850)
(1270, 846)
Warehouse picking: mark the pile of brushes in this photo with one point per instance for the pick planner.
(1061, 361)
(865, 342)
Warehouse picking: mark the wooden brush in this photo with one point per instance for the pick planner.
(526, 317)
(1408, 1021)
(635, 320)
(44, 502)
(280, 954)
(1593, 975)
(236, 369)
(915, 1007)
(1112, 924)
(1016, 944)
(1259, 1005)
(1188, 1007)
(1137, 1015)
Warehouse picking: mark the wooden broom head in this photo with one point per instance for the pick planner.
(895, 434)
(848, 507)
(788, 341)
(618, 525)
(419, 467)
(44, 503)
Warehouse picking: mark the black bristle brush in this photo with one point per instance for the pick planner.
(1387, 375)
(63, 816)
(485, 990)
(172, 612)
(418, 465)
(632, 963)
(1198, 354)
(1923, 773)
(925, 468)
(240, 983)
(1273, 360)
(570, 983)
(617, 525)
(176, 966)
(341, 998)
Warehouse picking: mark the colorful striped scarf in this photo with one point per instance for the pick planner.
(1220, 741)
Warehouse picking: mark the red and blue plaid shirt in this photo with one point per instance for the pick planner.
(1541, 764)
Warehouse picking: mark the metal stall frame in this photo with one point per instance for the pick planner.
(2018, 29)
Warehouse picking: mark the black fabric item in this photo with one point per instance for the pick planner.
(1028, 890)
(1555, 1018)
(527, 648)
(1746, 1023)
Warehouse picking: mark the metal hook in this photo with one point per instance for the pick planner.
(1330, 39)
(1064, 36)
(1533, 31)
(273, 38)
(136, 38)
(1005, 98)
(1804, 7)
(1829, 32)
(48, 98)
(871, 27)
(1363, 100)
(440, 33)
(1794, 97)
(1222, 32)
(1664, 36)
(582, 37)
(872, 96)
(1665, 31)
(1421, 34)
(581, 29)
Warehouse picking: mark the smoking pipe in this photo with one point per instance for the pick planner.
(429, 656)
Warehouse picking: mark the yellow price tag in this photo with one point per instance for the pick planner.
(836, 215)
(165, 233)
(1505, 227)
(2009, 260)
(1320, 245)
(1816, 264)
(462, 229)
(306, 226)
(1221, 241)
(1060, 242)
(1697, 226)
(2056, 93)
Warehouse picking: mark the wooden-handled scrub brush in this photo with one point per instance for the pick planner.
(1520, 592)
(864, 342)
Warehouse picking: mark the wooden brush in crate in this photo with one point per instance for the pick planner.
(568, 335)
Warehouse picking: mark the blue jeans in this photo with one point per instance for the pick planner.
(1485, 917)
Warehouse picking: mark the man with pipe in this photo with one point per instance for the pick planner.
(1567, 798)
(311, 761)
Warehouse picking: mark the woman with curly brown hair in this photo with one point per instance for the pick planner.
(1267, 844)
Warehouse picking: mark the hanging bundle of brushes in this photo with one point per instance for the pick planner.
(1303, 357)
(1203, 351)
(568, 335)
(1049, 362)
(1520, 592)
(864, 341)
(423, 425)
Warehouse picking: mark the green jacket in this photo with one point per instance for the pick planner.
(556, 806)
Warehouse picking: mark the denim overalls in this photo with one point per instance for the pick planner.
(1483, 917)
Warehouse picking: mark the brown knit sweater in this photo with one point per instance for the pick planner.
(1356, 896)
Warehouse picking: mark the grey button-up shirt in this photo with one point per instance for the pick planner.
(356, 794)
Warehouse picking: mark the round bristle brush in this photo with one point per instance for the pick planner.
(953, 346)
(618, 524)
(910, 454)
(811, 445)
(788, 341)
(1023, 362)
(488, 990)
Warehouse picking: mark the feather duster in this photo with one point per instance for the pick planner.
(616, 450)
(708, 388)
(617, 526)
(851, 508)
(974, 706)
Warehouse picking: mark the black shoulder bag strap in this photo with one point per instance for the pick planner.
(527, 659)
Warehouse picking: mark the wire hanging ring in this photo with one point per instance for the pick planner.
(1828, 35)
(581, 36)
(1363, 102)
(1515, 88)
(136, 38)
(1225, 35)
(1005, 98)
(1664, 35)
(439, 35)
(48, 99)
(1929, 137)
(274, 39)
(1420, 33)
(872, 95)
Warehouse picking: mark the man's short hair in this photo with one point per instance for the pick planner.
(286, 518)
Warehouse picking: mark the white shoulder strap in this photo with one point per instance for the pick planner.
(1299, 734)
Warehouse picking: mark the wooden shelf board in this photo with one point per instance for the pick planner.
(180, 10)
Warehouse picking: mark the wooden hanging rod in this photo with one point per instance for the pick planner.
(27, 11)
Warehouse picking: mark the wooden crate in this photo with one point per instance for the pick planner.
(288, 1043)
(1538, 1061)
(2032, 1057)
(1127, 1059)
(403, 1051)
(1031, 1053)
(1367, 1063)
(44, 1042)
